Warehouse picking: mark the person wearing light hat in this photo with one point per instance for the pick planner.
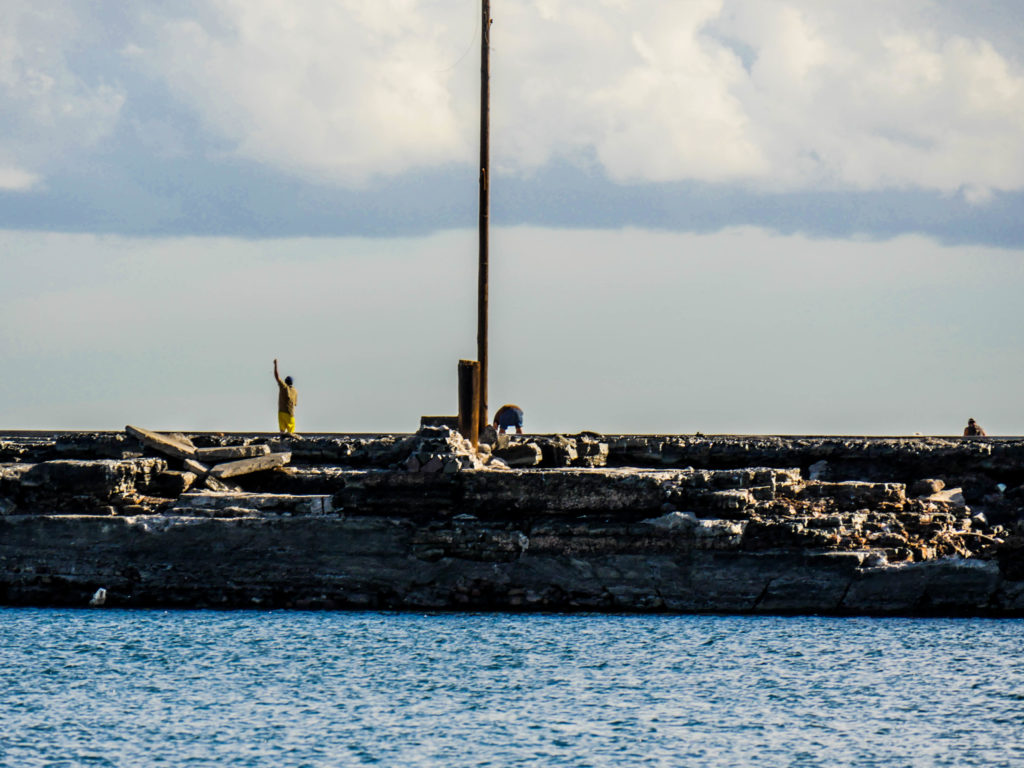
(287, 399)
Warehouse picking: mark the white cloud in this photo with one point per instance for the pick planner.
(851, 97)
(343, 90)
(48, 110)
(17, 179)
(774, 94)
(861, 96)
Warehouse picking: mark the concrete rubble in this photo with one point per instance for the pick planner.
(908, 526)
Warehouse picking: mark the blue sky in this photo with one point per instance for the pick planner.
(714, 215)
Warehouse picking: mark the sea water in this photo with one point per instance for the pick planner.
(153, 688)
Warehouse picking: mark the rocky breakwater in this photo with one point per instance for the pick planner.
(925, 526)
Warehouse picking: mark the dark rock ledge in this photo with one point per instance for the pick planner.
(725, 524)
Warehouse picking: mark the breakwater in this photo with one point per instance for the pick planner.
(587, 522)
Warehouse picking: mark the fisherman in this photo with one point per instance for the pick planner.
(973, 429)
(287, 399)
(509, 416)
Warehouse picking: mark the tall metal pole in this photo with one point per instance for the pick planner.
(485, 204)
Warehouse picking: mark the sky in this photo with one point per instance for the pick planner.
(755, 216)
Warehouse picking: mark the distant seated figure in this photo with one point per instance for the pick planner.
(508, 416)
(973, 429)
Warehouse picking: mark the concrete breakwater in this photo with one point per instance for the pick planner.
(587, 522)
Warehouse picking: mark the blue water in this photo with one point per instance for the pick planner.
(283, 689)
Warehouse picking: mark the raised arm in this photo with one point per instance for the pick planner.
(277, 376)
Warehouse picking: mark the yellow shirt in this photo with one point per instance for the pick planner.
(287, 398)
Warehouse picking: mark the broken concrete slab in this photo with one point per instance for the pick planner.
(231, 452)
(197, 468)
(165, 444)
(247, 466)
(520, 454)
(213, 484)
(296, 504)
(170, 483)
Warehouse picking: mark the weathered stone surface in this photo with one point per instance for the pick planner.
(231, 452)
(207, 502)
(520, 454)
(926, 487)
(195, 467)
(247, 466)
(171, 484)
(101, 479)
(165, 444)
(347, 526)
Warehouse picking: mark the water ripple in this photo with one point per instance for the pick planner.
(123, 688)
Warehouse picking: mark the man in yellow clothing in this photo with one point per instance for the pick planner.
(287, 399)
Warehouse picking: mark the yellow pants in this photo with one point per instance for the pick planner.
(285, 421)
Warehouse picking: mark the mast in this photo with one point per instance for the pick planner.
(485, 205)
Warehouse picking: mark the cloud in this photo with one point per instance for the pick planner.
(846, 97)
(49, 111)
(17, 179)
(343, 91)
(767, 96)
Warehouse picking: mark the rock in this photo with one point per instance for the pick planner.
(99, 597)
(674, 520)
(927, 487)
(818, 471)
(591, 453)
(433, 464)
(208, 504)
(488, 435)
(166, 444)
(219, 485)
(101, 479)
(196, 468)
(520, 454)
(247, 466)
(730, 499)
(559, 451)
(449, 422)
(231, 452)
(953, 497)
(171, 484)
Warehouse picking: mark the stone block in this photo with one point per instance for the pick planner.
(247, 466)
(488, 435)
(231, 452)
(170, 484)
(954, 497)
(196, 468)
(432, 465)
(100, 479)
(278, 503)
(674, 520)
(165, 444)
(819, 470)
(219, 485)
(592, 454)
(926, 487)
(520, 454)
(560, 451)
